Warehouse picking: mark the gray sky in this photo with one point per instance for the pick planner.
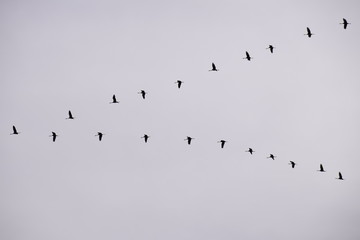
(301, 103)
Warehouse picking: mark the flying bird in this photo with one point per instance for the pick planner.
(340, 176)
(179, 83)
(247, 56)
(188, 139)
(271, 47)
(321, 168)
(272, 157)
(345, 22)
(15, 132)
(250, 151)
(114, 99)
(143, 93)
(308, 32)
(53, 135)
(222, 143)
(100, 135)
(145, 137)
(213, 68)
(70, 115)
(292, 164)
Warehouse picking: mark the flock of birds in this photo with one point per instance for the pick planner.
(189, 139)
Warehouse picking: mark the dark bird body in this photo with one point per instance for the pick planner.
(213, 68)
(340, 176)
(145, 137)
(271, 47)
(114, 99)
(15, 132)
(178, 82)
(250, 151)
(308, 32)
(321, 168)
(345, 23)
(53, 135)
(70, 115)
(143, 93)
(100, 135)
(272, 157)
(292, 164)
(188, 139)
(247, 56)
(222, 143)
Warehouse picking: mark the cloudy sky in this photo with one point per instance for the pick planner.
(301, 103)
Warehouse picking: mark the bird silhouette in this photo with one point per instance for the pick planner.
(213, 68)
(100, 135)
(70, 115)
(247, 56)
(272, 157)
(250, 151)
(321, 168)
(222, 143)
(53, 135)
(178, 82)
(345, 22)
(114, 99)
(145, 137)
(340, 176)
(188, 139)
(271, 47)
(15, 132)
(308, 32)
(292, 164)
(143, 93)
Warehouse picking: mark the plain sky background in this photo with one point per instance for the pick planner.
(301, 103)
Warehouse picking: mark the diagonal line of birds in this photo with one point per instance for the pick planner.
(189, 139)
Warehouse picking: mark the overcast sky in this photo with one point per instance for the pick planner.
(301, 103)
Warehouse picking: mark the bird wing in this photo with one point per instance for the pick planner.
(70, 115)
(247, 55)
(340, 176)
(14, 129)
(54, 137)
(321, 167)
(100, 136)
(308, 31)
(213, 66)
(114, 98)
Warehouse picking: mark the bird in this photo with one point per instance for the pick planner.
(188, 139)
(114, 99)
(15, 132)
(70, 115)
(321, 168)
(53, 135)
(292, 163)
(179, 83)
(250, 151)
(100, 135)
(222, 143)
(309, 33)
(143, 93)
(213, 68)
(345, 22)
(271, 47)
(145, 137)
(340, 176)
(272, 157)
(247, 56)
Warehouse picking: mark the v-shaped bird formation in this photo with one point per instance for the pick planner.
(188, 139)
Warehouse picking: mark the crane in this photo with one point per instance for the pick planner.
(222, 143)
(271, 47)
(114, 99)
(178, 82)
(345, 22)
(15, 132)
(53, 135)
(145, 137)
(70, 115)
(247, 56)
(272, 157)
(340, 176)
(188, 139)
(250, 151)
(214, 69)
(100, 135)
(308, 32)
(321, 168)
(292, 163)
(143, 93)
